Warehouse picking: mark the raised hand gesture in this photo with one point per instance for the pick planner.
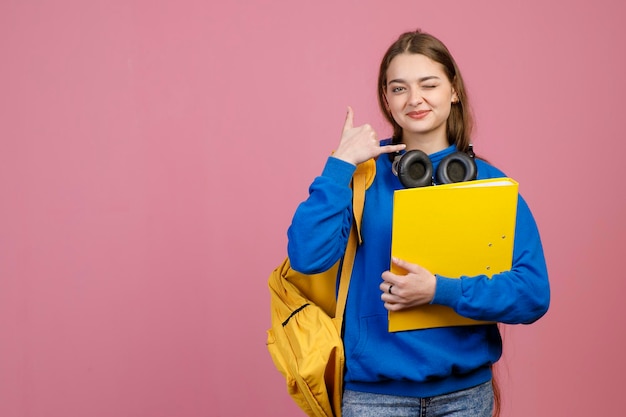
(360, 143)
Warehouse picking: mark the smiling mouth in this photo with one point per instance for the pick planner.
(418, 114)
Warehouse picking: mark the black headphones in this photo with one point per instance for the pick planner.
(414, 169)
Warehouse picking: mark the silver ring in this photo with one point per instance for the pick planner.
(389, 290)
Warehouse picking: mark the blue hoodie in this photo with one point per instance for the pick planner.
(418, 363)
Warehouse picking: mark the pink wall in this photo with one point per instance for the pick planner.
(152, 154)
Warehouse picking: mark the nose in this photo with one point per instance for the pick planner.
(415, 97)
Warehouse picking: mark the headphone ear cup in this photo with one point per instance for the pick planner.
(414, 169)
(456, 167)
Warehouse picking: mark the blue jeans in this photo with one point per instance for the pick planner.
(474, 402)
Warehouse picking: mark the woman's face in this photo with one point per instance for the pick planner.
(419, 96)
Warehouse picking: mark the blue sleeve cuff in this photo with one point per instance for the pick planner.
(448, 291)
(338, 170)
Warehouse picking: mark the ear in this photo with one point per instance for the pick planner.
(455, 97)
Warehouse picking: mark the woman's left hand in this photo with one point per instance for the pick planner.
(415, 288)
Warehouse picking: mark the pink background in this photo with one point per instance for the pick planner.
(152, 154)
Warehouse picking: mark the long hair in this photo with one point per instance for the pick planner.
(460, 122)
(497, 394)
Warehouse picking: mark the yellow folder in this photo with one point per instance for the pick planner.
(460, 229)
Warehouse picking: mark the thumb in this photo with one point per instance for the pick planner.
(349, 120)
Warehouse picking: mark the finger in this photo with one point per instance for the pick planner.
(392, 148)
(388, 278)
(384, 287)
(392, 306)
(407, 266)
(387, 149)
(349, 123)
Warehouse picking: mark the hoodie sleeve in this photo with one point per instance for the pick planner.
(521, 295)
(320, 227)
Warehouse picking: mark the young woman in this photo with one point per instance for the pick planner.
(433, 372)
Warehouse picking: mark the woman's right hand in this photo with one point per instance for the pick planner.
(358, 144)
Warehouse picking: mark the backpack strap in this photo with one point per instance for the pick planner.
(344, 280)
(361, 180)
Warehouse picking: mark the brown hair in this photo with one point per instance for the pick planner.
(460, 122)
(497, 394)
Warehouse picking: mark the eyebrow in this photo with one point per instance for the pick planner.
(421, 80)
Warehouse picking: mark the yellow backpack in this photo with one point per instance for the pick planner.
(305, 338)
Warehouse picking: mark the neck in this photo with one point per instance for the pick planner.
(425, 143)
